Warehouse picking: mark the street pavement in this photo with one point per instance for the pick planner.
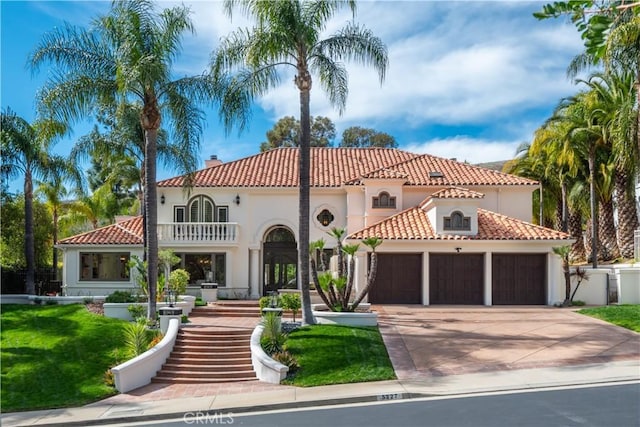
(436, 351)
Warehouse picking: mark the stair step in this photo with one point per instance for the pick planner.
(187, 330)
(210, 354)
(172, 367)
(184, 380)
(210, 375)
(218, 361)
(211, 348)
(211, 343)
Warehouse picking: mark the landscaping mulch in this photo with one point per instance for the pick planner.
(96, 308)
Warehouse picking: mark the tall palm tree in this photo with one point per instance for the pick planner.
(54, 192)
(127, 54)
(288, 34)
(25, 150)
(617, 111)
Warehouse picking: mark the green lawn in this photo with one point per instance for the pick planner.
(626, 315)
(330, 354)
(55, 356)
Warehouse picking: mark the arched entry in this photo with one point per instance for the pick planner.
(280, 260)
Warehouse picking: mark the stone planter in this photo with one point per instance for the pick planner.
(346, 318)
(209, 292)
(119, 310)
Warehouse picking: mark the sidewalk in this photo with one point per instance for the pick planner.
(294, 397)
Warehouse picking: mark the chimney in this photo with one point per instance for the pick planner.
(212, 161)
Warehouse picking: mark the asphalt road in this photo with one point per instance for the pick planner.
(605, 405)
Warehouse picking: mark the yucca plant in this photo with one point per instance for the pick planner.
(336, 287)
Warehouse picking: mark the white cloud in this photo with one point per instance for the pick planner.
(466, 149)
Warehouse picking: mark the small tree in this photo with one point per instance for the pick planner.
(581, 275)
(335, 287)
(178, 281)
(167, 259)
(291, 302)
(563, 253)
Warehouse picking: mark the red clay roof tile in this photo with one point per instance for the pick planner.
(414, 224)
(128, 232)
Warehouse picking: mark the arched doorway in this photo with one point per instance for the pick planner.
(280, 260)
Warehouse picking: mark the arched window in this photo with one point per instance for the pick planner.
(201, 209)
(279, 235)
(457, 221)
(384, 201)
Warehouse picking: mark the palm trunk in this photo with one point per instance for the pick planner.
(607, 231)
(594, 210)
(304, 176)
(578, 252)
(29, 241)
(151, 123)
(627, 211)
(55, 242)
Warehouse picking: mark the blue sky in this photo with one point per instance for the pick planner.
(466, 79)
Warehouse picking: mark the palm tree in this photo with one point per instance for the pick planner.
(288, 34)
(126, 55)
(54, 192)
(25, 150)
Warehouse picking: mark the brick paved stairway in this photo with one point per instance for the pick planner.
(227, 309)
(208, 356)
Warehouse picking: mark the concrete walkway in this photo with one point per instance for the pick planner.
(435, 351)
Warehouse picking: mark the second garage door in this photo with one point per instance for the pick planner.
(456, 278)
(519, 278)
(398, 279)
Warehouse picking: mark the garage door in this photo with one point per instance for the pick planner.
(519, 278)
(456, 278)
(398, 279)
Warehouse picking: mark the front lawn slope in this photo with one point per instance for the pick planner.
(330, 354)
(625, 315)
(55, 356)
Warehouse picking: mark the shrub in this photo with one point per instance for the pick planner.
(108, 378)
(184, 319)
(272, 340)
(266, 301)
(578, 303)
(51, 302)
(200, 302)
(121, 297)
(287, 359)
(136, 311)
(136, 339)
(178, 281)
(157, 336)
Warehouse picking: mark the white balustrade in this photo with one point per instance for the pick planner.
(198, 232)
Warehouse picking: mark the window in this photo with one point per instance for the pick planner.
(223, 214)
(204, 267)
(105, 267)
(201, 209)
(384, 200)
(178, 214)
(457, 221)
(325, 218)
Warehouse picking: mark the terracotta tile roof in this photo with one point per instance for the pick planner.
(428, 170)
(334, 167)
(456, 193)
(128, 232)
(330, 167)
(414, 224)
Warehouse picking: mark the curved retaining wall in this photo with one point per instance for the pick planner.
(139, 370)
(265, 367)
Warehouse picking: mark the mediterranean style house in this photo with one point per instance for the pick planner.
(453, 233)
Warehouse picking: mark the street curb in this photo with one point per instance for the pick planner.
(404, 396)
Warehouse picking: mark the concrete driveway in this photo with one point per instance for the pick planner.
(448, 340)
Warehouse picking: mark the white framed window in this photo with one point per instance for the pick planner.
(457, 221)
(384, 201)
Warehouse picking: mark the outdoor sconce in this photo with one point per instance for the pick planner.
(458, 250)
(237, 200)
(171, 297)
(162, 199)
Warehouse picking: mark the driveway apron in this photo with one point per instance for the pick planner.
(449, 340)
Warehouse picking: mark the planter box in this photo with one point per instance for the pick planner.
(119, 310)
(346, 318)
(209, 292)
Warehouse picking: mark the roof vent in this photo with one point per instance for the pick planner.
(436, 174)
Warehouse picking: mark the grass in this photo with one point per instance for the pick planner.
(626, 315)
(55, 356)
(330, 354)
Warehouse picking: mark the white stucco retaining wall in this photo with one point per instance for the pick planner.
(629, 285)
(265, 367)
(139, 370)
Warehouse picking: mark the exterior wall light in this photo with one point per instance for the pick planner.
(237, 200)
(162, 199)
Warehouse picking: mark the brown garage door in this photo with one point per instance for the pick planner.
(456, 278)
(519, 278)
(398, 279)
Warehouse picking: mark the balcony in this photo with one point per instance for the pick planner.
(210, 233)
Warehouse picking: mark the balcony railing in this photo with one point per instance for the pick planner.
(198, 232)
